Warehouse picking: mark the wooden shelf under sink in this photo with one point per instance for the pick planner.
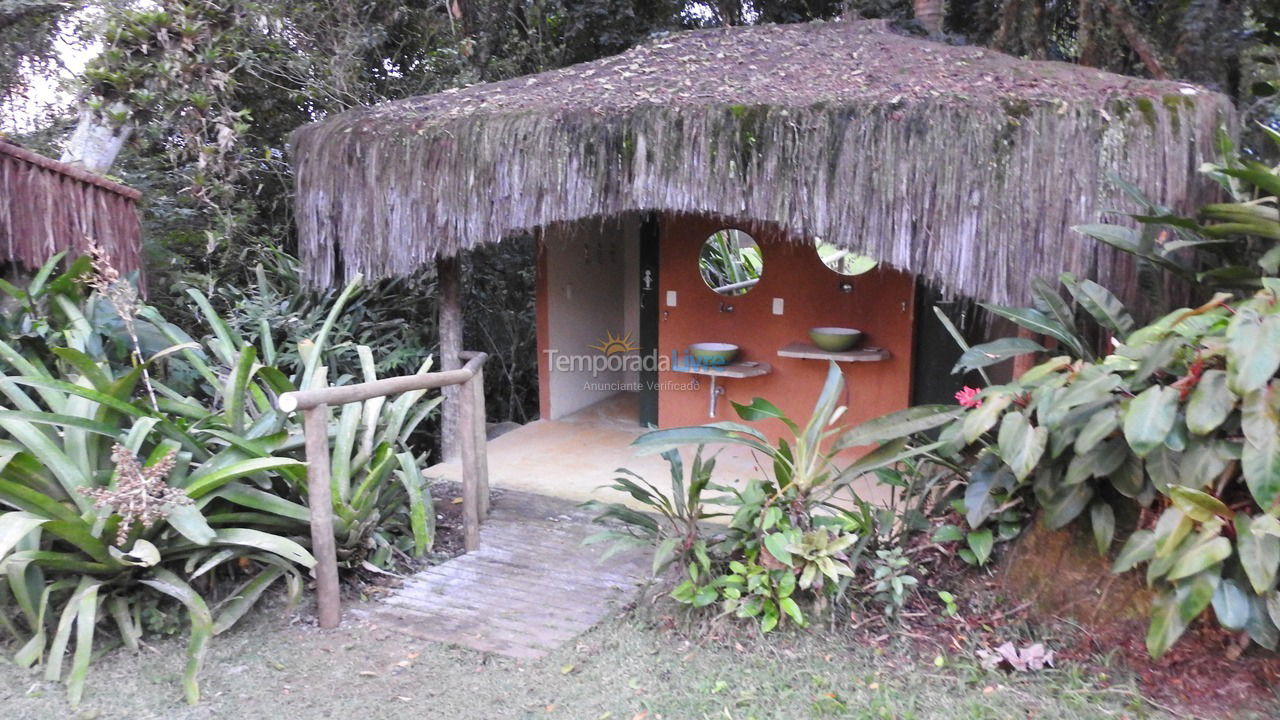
(809, 351)
(732, 370)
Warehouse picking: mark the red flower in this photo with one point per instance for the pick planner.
(968, 397)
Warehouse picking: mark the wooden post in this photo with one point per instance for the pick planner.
(470, 450)
(315, 428)
(478, 426)
(449, 313)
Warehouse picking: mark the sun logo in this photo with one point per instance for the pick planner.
(613, 345)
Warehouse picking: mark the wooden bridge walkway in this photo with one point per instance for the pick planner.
(531, 587)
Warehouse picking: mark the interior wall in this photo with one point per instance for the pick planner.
(881, 304)
(582, 299)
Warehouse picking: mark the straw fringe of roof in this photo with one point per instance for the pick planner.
(47, 207)
(978, 199)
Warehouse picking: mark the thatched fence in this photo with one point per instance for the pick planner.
(47, 207)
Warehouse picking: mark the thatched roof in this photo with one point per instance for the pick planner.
(958, 163)
(47, 206)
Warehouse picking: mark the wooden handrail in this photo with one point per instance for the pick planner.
(343, 394)
(314, 404)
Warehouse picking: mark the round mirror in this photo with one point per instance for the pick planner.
(841, 260)
(730, 262)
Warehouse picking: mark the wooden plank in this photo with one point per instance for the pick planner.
(514, 621)
(535, 600)
(809, 351)
(532, 577)
(467, 635)
(315, 428)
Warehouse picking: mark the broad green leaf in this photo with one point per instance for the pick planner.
(1100, 425)
(1260, 627)
(898, 424)
(14, 526)
(422, 514)
(284, 547)
(1105, 307)
(203, 483)
(201, 625)
(249, 497)
(1210, 403)
(190, 522)
(1253, 350)
(1259, 554)
(237, 388)
(948, 533)
(1139, 548)
(1150, 418)
(1197, 504)
(1040, 323)
(1200, 556)
(996, 351)
(1172, 527)
(1231, 605)
(1172, 610)
(981, 419)
(1066, 504)
(989, 476)
(244, 598)
(792, 610)
(776, 543)
(1260, 456)
(86, 619)
(1102, 519)
(980, 543)
(1021, 445)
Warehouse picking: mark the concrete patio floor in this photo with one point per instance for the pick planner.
(572, 457)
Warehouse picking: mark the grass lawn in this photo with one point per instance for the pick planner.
(627, 668)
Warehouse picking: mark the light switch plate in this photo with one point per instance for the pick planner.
(671, 298)
(777, 306)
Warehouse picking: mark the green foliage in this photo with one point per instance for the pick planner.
(789, 548)
(217, 513)
(1176, 430)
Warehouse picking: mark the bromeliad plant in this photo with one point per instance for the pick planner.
(215, 513)
(1177, 428)
(788, 542)
(89, 533)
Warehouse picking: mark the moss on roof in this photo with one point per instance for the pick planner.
(959, 163)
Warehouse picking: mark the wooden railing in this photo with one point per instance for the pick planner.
(470, 441)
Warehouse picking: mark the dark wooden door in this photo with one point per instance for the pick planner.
(649, 299)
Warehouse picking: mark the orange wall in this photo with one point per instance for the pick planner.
(881, 305)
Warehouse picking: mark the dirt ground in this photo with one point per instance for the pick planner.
(635, 667)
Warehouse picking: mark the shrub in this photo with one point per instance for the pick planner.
(789, 547)
(214, 513)
(1176, 427)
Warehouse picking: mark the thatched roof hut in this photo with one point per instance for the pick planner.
(961, 164)
(47, 207)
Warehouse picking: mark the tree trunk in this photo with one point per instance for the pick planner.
(1121, 16)
(95, 143)
(449, 299)
(929, 15)
(1087, 35)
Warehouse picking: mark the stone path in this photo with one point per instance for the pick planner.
(531, 587)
